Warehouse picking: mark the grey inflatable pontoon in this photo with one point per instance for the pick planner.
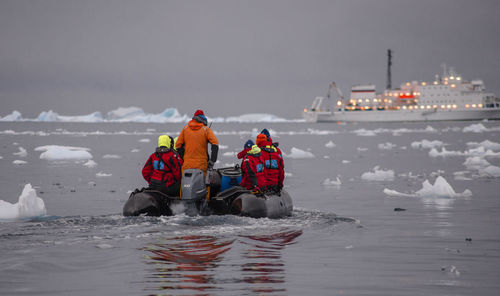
(232, 199)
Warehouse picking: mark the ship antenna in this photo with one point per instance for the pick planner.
(389, 64)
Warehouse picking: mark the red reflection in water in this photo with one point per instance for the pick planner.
(267, 267)
(188, 259)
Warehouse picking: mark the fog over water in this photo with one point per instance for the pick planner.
(230, 57)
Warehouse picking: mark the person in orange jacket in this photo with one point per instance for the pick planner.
(193, 144)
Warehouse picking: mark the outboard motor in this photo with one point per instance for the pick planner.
(193, 191)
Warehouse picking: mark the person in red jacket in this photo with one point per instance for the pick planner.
(274, 167)
(247, 147)
(252, 170)
(163, 169)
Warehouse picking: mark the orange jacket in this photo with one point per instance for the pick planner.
(195, 137)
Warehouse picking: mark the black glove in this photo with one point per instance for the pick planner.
(210, 165)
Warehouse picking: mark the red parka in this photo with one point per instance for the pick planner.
(252, 169)
(163, 166)
(274, 168)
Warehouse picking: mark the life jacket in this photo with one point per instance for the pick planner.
(163, 167)
(252, 169)
(274, 168)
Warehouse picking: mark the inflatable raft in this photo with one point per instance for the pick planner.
(226, 197)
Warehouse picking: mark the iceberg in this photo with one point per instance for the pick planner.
(51, 116)
(29, 205)
(441, 188)
(136, 114)
(14, 116)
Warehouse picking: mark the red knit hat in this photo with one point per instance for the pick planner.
(199, 112)
(261, 139)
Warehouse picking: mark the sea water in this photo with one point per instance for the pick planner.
(346, 236)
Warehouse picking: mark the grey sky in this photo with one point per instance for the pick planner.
(230, 57)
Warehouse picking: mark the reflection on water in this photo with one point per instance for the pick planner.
(201, 265)
(264, 268)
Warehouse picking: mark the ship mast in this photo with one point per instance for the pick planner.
(389, 64)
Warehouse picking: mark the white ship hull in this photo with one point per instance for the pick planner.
(401, 115)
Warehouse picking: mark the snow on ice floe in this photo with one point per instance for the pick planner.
(426, 144)
(386, 146)
(330, 144)
(298, 153)
(378, 175)
(136, 114)
(441, 188)
(29, 205)
(21, 153)
(56, 152)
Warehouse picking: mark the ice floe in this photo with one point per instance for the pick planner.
(229, 154)
(426, 144)
(56, 152)
(103, 174)
(486, 144)
(378, 175)
(298, 153)
(441, 188)
(386, 146)
(330, 144)
(21, 153)
(328, 182)
(90, 163)
(475, 128)
(29, 205)
(19, 162)
(479, 151)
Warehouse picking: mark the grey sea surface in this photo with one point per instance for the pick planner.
(344, 239)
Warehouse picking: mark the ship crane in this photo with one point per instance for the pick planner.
(331, 87)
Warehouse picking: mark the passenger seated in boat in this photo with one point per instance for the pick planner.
(268, 135)
(274, 167)
(163, 169)
(248, 145)
(252, 170)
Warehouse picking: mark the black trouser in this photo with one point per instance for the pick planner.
(172, 190)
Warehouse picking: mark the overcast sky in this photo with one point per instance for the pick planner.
(231, 57)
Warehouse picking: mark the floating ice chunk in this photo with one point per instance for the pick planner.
(297, 153)
(90, 163)
(475, 128)
(1, 157)
(223, 147)
(104, 246)
(490, 171)
(476, 163)
(287, 174)
(329, 182)
(346, 161)
(102, 174)
(229, 154)
(361, 149)
(111, 156)
(486, 144)
(19, 162)
(145, 140)
(386, 146)
(14, 116)
(29, 205)
(55, 152)
(481, 151)
(135, 150)
(426, 144)
(330, 145)
(441, 188)
(364, 132)
(444, 153)
(378, 175)
(22, 152)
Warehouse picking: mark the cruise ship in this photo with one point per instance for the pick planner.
(447, 97)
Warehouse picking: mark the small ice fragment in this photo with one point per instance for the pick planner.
(104, 246)
(22, 152)
(386, 146)
(346, 161)
(378, 175)
(102, 174)
(90, 163)
(145, 140)
(135, 150)
(330, 145)
(329, 182)
(111, 156)
(19, 162)
(298, 153)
